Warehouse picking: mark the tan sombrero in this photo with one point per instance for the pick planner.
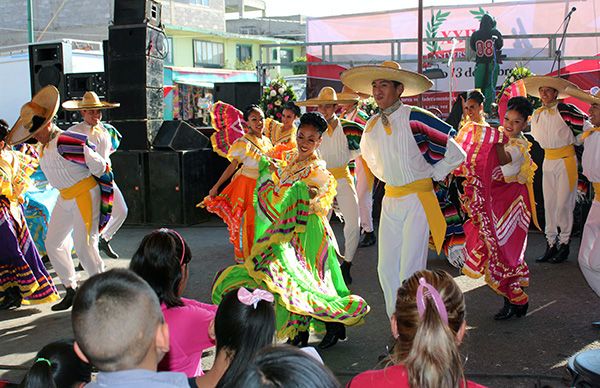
(349, 93)
(534, 83)
(327, 95)
(90, 101)
(593, 97)
(360, 78)
(35, 115)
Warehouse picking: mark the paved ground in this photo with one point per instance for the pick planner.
(529, 352)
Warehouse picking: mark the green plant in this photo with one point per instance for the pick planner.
(432, 28)
(478, 13)
(275, 96)
(246, 64)
(299, 68)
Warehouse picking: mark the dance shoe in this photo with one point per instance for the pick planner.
(105, 247)
(345, 267)
(300, 340)
(367, 239)
(66, 302)
(509, 310)
(549, 254)
(12, 299)
(335, 332)
(562, 254)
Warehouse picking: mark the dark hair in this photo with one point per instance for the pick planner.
(242, 331)
(522, 105)
(115, 317)
(3, 129)
(293, 107)
(158, 260)
(315, 119)
(57, 365)
(251, 108)
(476, 95)
(285, 366)
(456, 113)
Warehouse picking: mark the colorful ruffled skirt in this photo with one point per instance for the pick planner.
(295, 258)
(20, 262)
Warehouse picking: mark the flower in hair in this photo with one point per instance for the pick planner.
(252, 298)
(427, 291)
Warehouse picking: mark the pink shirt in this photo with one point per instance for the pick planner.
(188, 336)
(394, 376)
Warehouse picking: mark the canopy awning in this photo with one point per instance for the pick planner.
(206, 77)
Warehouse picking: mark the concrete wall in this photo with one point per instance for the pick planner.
(289, 29)
(196, 16)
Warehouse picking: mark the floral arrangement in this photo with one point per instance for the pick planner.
(518, 73)
(369, 106)
(275, 96)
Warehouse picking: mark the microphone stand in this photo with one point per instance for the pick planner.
(558, 51)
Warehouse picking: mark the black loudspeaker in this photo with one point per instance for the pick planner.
(137, 11)
(79, 83)
(137, 103)
(238, 94)
(137, 134)
(136, 40)
(131, 174)
(136, 72)
(177, 182)
(48, 64)
(178, 135)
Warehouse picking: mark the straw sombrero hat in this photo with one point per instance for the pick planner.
(327, 95)
(349, 93)
(534, 83)
(360, 78)
(35, 115)
(91, 101)
(593, 97)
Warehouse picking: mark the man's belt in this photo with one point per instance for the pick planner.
(567, 154)
(435, 218)
(80, 192)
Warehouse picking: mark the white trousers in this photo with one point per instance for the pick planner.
(348, 205)
(589, 251)
(364, 190)
(403, 244)
(118, 215)
(65, 219)
(559, 201)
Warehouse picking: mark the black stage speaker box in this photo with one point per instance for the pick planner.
(177, 182)
(79, 83)
(48, 63)
(238, 94)
(136, 72)
(137, 11)
(137, 103)
(131, 174)
(137, 134)
(179, 135)
(136, 40)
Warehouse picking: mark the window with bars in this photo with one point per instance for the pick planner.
(243, 52)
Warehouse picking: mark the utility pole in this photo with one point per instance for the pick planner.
(30, 31)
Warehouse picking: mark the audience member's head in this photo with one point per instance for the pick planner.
(118, 323)
(57, 365)
(244, 324)
(162, 260)
(285, 366)
(428, 325)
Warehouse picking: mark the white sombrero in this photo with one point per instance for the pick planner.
(89, 101)
(593, 97)
(35, 115)
(360, 78)
(326, 96)
(534, 83)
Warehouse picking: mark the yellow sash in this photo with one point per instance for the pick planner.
(587, 133)
(424, 190)
(80, 192)
(596, 186)
(341, 173)
(567, 154)
(534, 218)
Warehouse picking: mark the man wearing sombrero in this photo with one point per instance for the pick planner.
(107, 139)
(364, 176)
(84, 180)
(405, 147)
(589, 259)
(339, 147)
(554, 126)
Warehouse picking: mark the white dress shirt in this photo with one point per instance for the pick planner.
(334, 148)
(550, 130)
(99, 136)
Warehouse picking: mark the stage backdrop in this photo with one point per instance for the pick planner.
(515, 18)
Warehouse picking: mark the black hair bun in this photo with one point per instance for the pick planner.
(315, 119)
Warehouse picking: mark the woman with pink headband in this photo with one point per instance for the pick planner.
(428, 326)
(162, 260)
